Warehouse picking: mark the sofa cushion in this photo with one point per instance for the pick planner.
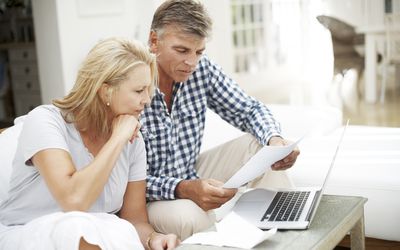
(8, 146)
(368, 165)
(295, 122)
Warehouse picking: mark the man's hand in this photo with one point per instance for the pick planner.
(289, 160)
(207, 194)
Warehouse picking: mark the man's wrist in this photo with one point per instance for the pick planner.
(180, 189)
(273, 138)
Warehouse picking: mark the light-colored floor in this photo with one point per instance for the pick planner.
(379, 114)
(347, 95)
(385, 114)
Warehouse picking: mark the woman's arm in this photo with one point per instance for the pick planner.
(134, 210)
(78, 190)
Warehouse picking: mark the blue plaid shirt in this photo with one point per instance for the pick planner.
(173, 140)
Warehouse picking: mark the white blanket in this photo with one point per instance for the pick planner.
(64, 231)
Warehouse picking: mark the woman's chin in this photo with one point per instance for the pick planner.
(137, 114)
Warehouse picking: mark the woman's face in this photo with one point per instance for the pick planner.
(132, 94)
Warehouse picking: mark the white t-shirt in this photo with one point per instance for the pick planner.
(45, 128)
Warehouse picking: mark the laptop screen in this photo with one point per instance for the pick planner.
(319, 194)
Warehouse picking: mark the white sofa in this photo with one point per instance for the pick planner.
(8, 144)
(368, 163)
(295, 122)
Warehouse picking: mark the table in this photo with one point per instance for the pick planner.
(335, 217)
(374, 36)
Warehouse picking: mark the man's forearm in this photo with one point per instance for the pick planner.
(161, 188)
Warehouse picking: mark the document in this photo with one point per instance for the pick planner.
(232, 231)
(259, 164)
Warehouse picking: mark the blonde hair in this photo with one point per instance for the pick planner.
(108, 62)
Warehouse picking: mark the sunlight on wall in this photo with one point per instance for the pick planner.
(305, 47)
(301, 50)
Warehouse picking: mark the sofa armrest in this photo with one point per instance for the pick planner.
(8, 146)
(295, 122)
(367, 165)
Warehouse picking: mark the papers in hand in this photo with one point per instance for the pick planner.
(232, 231)
(259, 164)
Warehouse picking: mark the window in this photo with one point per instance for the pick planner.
(248, 35)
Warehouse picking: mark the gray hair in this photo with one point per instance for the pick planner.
(188, 16)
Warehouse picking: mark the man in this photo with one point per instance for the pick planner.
(182, 187)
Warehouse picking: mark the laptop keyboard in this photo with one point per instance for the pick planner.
(286, 206)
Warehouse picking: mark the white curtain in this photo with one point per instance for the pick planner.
(299, 43)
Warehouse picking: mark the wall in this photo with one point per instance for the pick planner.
(220, 45)
(356, 12)
(51, 75)
(299, 53)
(66, 30)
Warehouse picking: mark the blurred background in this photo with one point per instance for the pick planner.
(338, 53)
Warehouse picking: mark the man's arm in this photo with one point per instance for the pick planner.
(232, 104)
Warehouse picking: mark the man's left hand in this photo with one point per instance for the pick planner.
(289, 160)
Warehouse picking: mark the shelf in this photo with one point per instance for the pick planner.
(12, 45)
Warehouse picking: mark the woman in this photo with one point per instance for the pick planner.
(85, 154)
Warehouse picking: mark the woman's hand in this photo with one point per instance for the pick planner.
(134, 210)
(126, 127)
(159, 241)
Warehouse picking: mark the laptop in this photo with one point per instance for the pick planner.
(283, 208)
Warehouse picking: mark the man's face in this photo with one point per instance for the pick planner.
(177, 54)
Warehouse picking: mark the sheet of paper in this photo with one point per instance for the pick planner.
(259, 164)
(232, 231)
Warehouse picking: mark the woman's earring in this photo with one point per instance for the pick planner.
(108, 104)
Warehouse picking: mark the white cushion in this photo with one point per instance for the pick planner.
(298, 120)
(295, 122)
(368, 165)
(8, 146)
